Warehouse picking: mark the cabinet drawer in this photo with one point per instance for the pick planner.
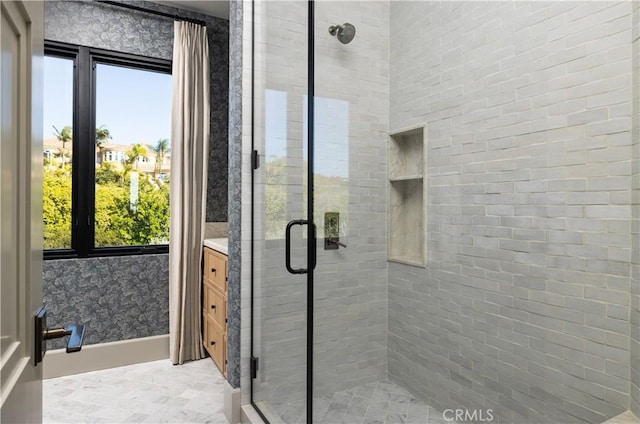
(215, 269)
(215, 305)
(215, 344)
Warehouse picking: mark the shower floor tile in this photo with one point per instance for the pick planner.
(380, 402)
(153, 392)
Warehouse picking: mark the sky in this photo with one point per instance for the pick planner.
(134, 105)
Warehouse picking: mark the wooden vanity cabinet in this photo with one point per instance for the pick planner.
(214, 306)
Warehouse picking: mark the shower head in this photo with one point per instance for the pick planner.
(344, 33)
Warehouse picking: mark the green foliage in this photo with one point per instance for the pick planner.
(57, 208)
(65, 135)
(107, 173)
(120, 224)
(102, 135)
(281, 197)
(275, 219)
(117, 222)
(135, 154)
(161, 149)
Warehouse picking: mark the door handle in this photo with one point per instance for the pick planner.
(287, 250)
(314, 254)
(75, 331)
(42, 334)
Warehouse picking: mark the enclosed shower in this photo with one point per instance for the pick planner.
(445, 209)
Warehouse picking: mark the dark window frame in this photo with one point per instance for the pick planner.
(85, 60)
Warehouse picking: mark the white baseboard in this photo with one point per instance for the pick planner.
(232, 405)
(58, 363)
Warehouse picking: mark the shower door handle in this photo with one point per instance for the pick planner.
(314, 253)
(287, 252)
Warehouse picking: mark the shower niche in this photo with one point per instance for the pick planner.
(407, 186)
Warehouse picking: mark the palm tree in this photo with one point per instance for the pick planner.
(64, 136)
(161, 148)
(136, 152)
(102, 135)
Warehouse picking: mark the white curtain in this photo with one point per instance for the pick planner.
(189, 153)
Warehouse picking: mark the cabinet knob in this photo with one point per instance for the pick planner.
(213, 306)
(213, 343)
(213, 270)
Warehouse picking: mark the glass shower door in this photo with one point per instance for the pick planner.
(350, 212)
(310, 355)
(279, 328)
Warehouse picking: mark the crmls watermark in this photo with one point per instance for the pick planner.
(473, 415)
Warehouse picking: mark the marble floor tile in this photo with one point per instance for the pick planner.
(152, 392)
(373, 403)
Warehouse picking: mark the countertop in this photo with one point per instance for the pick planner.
(219, 244)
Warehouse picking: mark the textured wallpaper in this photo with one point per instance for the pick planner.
(111, 28)
(235, 190)
(117, 298)
(126, 297)
(122, 298)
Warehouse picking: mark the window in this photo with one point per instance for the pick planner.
(107, 121)
(57, 151)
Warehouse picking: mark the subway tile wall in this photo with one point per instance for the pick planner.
(524, 305)
(351, 124)
(635, 213)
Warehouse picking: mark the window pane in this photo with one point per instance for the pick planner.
(133, 156)
(57, 152)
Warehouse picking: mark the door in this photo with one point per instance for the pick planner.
(20, 208)
(319, 336)
(280, 213)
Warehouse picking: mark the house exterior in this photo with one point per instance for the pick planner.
(54, 151)
(117, 155)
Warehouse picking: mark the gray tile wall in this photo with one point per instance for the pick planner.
(117, 298)
(350, 284)
(523, 307)
(107, 27)
(635, 225)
